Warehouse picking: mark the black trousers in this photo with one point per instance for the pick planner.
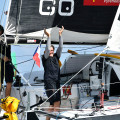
(51, 86)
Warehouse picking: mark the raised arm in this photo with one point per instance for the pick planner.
(47, 49)
(59, 50)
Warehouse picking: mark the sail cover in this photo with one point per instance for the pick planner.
(114, 37)
(87, 24)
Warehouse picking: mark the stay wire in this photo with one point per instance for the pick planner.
(87, 48)
(90, 48)
(23, 62)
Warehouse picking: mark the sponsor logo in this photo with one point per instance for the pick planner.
(49, 10)
(65, 7)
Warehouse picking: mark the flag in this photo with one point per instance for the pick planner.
(36, 56)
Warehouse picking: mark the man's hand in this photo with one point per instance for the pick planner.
(6, 59)
(61, 30)
(46, 32)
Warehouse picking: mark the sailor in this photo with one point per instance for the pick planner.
(5, 59)
(50, 62)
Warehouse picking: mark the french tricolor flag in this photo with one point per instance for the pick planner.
(36, 56)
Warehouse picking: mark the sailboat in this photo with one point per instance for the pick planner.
(84, 76)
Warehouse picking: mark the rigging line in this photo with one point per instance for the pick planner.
(26, 46)
(75, 75)
(22, 56)
(23, 62)
(68, 46)
(19, 16)
(86, 48)
(2, 12)
(64, 52)
(90, 48)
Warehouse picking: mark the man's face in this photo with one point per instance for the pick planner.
(51, 51)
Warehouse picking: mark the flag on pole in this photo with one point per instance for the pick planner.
(36, 56)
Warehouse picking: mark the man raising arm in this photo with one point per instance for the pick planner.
(50, 62)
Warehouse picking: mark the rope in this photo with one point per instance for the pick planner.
(86, 49)
(90, 48)
(23, 62)
(73, 76)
